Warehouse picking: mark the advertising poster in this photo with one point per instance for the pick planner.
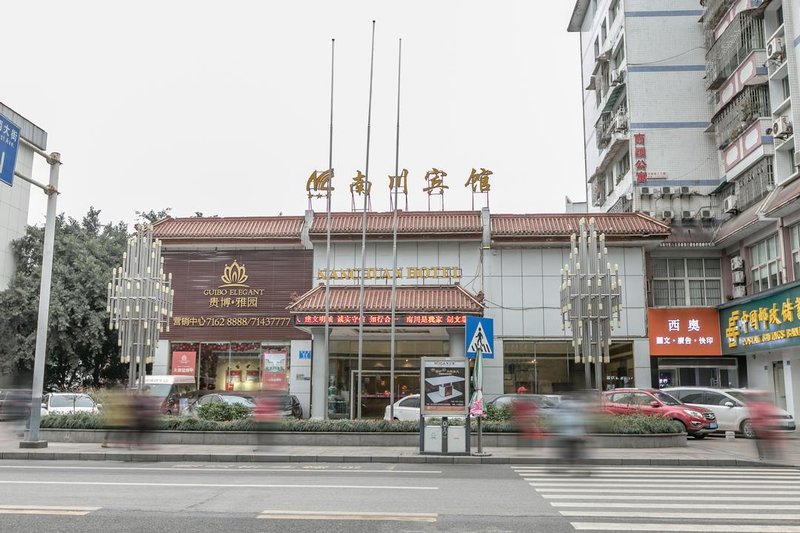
(274, 374)
(252, 376)
(183, 363)
(444, 387)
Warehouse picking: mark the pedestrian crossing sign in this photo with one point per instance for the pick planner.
(479, 335)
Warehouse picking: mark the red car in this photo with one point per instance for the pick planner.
(696, 421)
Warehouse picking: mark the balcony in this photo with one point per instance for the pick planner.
(755, 184)
(749, 105)
(743, 35)
(715, 11)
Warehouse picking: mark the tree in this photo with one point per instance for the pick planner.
(81, 351)
(152, 215)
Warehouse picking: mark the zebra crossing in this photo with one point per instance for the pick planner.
(671, 498)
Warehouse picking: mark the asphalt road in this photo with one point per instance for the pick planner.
(246, 497)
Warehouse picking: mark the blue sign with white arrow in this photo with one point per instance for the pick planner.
(479, 335)
(9, 140)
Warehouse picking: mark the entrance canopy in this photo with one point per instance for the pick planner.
(416, 306)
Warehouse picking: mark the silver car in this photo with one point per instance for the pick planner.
(730, 407)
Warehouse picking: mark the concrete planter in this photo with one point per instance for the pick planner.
(300, 438)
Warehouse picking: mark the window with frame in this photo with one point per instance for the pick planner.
(687, 281)
(765, 264)
(794, 240)
(612, 12)
(623, 166)
(619, 53)
(596, 48)
(603, 32)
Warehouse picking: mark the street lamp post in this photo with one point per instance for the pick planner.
(140, 302)
(590, 300)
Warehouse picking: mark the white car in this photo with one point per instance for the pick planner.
(404, 409)
(730, 407)
(59, 403)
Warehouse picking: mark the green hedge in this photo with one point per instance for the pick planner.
(609, 424)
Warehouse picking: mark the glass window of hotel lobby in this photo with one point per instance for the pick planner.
(238, 366)
(549, 367)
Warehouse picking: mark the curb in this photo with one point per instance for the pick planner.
(402, 459)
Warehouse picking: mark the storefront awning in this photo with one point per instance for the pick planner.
(452, 299)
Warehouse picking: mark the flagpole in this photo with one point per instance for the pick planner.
(328, 241)
(394, 236)
(364, 234)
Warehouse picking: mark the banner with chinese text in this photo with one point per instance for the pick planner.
(765, 323)
(683, 331)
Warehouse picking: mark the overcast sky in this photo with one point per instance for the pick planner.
(223, 107)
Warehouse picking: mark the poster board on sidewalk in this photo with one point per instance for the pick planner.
(444, 386)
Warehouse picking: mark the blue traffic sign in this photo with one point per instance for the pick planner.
(9, 140)
(479, 335)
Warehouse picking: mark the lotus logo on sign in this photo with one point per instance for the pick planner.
(234, 275)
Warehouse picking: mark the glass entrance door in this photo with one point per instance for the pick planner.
(779, 383)
(375, 390)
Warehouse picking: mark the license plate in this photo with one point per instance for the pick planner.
(712, 425)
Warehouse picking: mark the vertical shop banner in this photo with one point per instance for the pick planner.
(274, 373)
(184, 363)
(684, 331)
(444, 387)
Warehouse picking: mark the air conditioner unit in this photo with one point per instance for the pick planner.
(620, 122)
(729, 204)
(781, 128)
(738, 277)
(738, 291)
(666, 190)
(776, 49)
(645, 191)
(685, 190)
(666, 213)
(686, 215)
(797, 159)
(706, 214)
(617, 76)
(737, 263)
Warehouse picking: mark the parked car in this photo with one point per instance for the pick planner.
(730, 407)
(696, 421)
(213, 398)
(58, 403)
(290, 406)
(406, 408)
(539, 400)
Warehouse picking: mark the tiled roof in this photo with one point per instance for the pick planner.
(422, 223)
(415, 299)
(245, 228)
(614, 225)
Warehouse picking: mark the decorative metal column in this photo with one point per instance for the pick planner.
(140, 302)
(590, 299)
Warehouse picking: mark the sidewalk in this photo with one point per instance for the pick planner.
(709, 452)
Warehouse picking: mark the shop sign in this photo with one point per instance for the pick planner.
(339, 319)
(429, 273)
(684, 331)
(183, 363)
(444, 387)
(761, 324)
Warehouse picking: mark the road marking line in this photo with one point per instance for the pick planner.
(673, 515)
(237, 469)
(345, 515)
(216, 485)
(655, 468)
(584, 483)
(769, 507)
(710, 528)
(50, 507)
(44, 512)
(621, 490)
(667, 483)
(680, 497)
(673, 477)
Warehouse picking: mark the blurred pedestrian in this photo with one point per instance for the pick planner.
(143, 413)
(265, 415)
(763, 417)
(570, 428)
(117, 415)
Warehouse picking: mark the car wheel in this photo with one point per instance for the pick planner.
(680, 425)
(699, 436)
(748, 430)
